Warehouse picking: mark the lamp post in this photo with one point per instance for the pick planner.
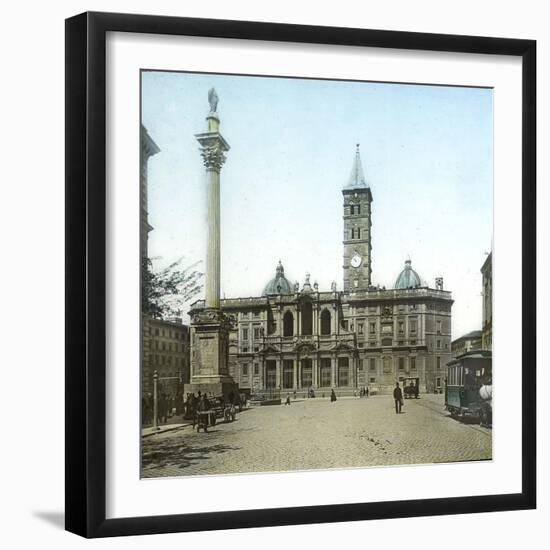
(155, 400)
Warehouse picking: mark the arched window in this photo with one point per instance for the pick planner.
(307, 318)
(325, 322)
(288, 324)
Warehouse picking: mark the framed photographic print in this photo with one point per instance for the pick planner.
(293, 255)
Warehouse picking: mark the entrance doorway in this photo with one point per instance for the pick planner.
(270, 375)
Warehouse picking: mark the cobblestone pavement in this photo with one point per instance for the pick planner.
(314, 434)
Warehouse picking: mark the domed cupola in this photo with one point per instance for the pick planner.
(279, 284)
(408, 278)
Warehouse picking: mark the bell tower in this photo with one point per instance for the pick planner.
(357, 229)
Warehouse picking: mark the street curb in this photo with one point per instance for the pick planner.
(167, 429)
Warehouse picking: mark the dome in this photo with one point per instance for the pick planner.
(279, 284)
(408, 278)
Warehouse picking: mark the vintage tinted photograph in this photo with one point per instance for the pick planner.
(316, 274)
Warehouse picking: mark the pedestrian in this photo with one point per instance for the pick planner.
(294, 395)
(332, 396)
(398, 398)
(367, 391)
(287, 402)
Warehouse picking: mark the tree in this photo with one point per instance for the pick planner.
(164, 292)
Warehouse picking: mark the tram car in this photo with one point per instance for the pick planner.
(468, 387)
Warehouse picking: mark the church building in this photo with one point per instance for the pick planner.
(298, 338)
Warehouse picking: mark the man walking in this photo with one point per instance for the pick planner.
(398, 398)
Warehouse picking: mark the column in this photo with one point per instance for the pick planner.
(299, 372)
(294, 374)
(278, 373)
(213, 149)
(315, 372)
(333, 371)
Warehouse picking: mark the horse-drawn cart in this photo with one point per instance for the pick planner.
(218, 408)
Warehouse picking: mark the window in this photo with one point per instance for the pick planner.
(352, 209)
(256, 369)
(439, 344)
(358, 209)
(372, 361)
(438, 361)
(257, 333)
(372, 380)
(412, 326)
(245, 334)
(412, 362)
(372, 328)
(156, 332)
(358, 232)
(401, 326)
(325, 322)
(307, 318)
(288, 324)
(345, 325)
(360, 328)
(438, 327)
(245, 370)
(401, 363)
(245, 349)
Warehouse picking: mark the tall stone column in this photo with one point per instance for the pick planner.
(210, 327)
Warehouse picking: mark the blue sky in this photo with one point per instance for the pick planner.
(426, 152)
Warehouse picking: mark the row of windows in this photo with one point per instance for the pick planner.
(168, 346)
(167, 360)
(257, 331)
(170, 334)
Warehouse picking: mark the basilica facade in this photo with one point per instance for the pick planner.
(295, 338)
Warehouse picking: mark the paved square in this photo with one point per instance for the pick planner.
(318, 434)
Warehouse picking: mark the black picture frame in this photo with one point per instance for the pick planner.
(86, 272)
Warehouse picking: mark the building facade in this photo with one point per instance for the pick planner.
(294, 338)
(469, 342)
(168, 355)
(487, 308)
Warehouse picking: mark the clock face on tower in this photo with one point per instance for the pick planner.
(356, 260)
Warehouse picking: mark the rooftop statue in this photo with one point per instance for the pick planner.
(213, 100)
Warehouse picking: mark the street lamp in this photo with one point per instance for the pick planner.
(155, 400)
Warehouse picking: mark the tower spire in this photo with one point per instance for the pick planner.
(357, 176)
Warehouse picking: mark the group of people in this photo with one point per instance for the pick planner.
(167, 406)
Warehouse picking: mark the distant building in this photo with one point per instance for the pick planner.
(293, 339)
(168, 355)
(467, 342)
(487, 308)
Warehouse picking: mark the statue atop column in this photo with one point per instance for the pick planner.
(213, 100)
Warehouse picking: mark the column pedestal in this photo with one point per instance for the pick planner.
(210, 357)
